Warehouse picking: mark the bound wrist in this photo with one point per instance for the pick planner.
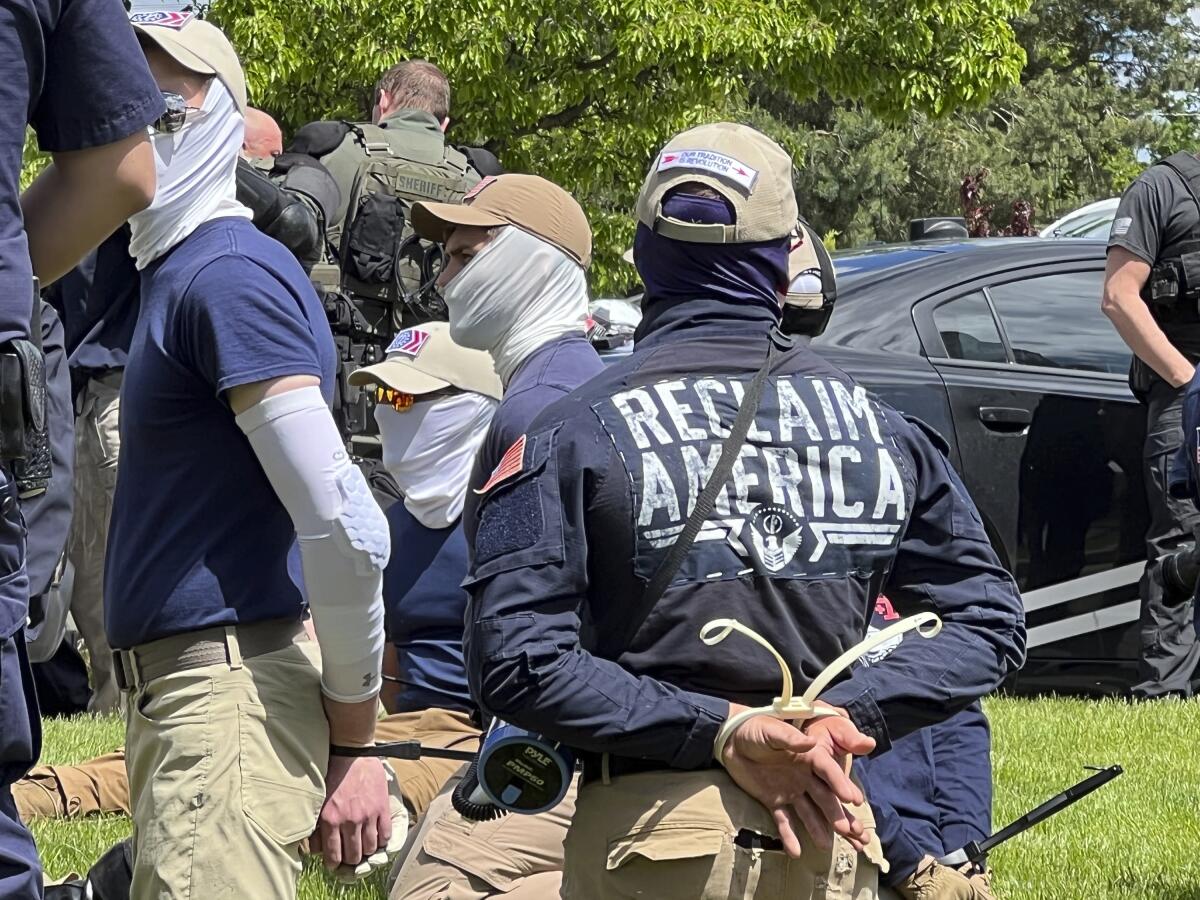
(724, 737)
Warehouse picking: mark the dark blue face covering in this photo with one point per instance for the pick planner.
(743, 274)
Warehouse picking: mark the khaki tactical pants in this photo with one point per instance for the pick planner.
(451, 858)
(421, 779)
(671, 835)
(226, 775)
(97, 444)
(101, 785)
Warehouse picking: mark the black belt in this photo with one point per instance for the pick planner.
(594, 769)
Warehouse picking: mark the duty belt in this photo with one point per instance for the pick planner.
(207, 647)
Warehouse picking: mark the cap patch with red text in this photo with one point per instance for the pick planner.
(409, 342)
(175, 20)
(708, 161)
(511, 463)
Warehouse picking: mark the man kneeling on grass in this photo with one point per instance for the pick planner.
(229, 453)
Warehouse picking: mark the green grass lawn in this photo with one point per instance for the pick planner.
(1135, 839)
(73, 846)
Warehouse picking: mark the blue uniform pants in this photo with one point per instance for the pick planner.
(932, 791)
(20, 726)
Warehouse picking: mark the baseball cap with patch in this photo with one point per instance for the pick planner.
(747, 168)
(424, 359)
(196, 45)
(529, 202)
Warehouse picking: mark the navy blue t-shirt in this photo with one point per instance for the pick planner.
(425, 608)
(73, 70)
(98, 301)
(198, 537)
(551, 372)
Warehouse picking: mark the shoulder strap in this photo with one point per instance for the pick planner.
(371, 138)
(730, 450)
(1187, 167)
(824, 262)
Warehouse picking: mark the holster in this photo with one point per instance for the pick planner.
(24, 430)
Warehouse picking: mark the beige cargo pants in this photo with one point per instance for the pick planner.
(101, 785)
(226, 776)
(450, 858)
(671, 836)
(97, 445)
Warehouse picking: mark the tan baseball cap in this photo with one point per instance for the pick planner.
(528, 202)
(196, 45)
(743, 165)
(424, 359)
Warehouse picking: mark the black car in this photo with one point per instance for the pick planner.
(1001, 346)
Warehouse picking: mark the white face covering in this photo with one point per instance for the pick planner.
(516, 294)
(197, 177)
(429, 449)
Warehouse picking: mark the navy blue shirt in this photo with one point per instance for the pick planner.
(834, 497)
(198, 536)
(425, 603)
(551, 372)
(931, 793)
(98, 301)
(73, 70)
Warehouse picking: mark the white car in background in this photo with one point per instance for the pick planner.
(1091, 221)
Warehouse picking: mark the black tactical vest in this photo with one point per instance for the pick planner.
(1173, 289)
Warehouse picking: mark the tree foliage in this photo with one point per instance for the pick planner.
(583, 91)
(1107, 87)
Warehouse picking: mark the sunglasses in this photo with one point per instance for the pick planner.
(402, 402)
(177, 113)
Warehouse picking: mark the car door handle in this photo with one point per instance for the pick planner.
(1005, 418)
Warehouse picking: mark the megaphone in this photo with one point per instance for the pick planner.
(516, 770)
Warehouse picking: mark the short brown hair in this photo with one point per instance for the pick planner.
(417, 84)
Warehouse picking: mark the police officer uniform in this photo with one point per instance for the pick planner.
(1158, 221)
(99, 304)
(70, 68)
(62, 677)
(834, 496)
(372, 286)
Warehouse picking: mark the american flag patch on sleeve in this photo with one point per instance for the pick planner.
(510, 464)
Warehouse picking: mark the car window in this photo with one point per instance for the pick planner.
(968, 329)
(1055, 321)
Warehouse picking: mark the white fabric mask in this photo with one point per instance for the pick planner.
(518, 293)
(197, 177)
(430, 448)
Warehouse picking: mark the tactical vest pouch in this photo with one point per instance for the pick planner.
(1163, 288)
(1190, 270)
(372, 238)
(1141, 378)
(380, 255)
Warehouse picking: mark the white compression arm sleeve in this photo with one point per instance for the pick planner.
(344, 540)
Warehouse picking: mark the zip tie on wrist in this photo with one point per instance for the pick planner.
(804, 708)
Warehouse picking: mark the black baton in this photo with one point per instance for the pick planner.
(976, 850)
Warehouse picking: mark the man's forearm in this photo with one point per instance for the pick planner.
(1131, 317)
(83, 198)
